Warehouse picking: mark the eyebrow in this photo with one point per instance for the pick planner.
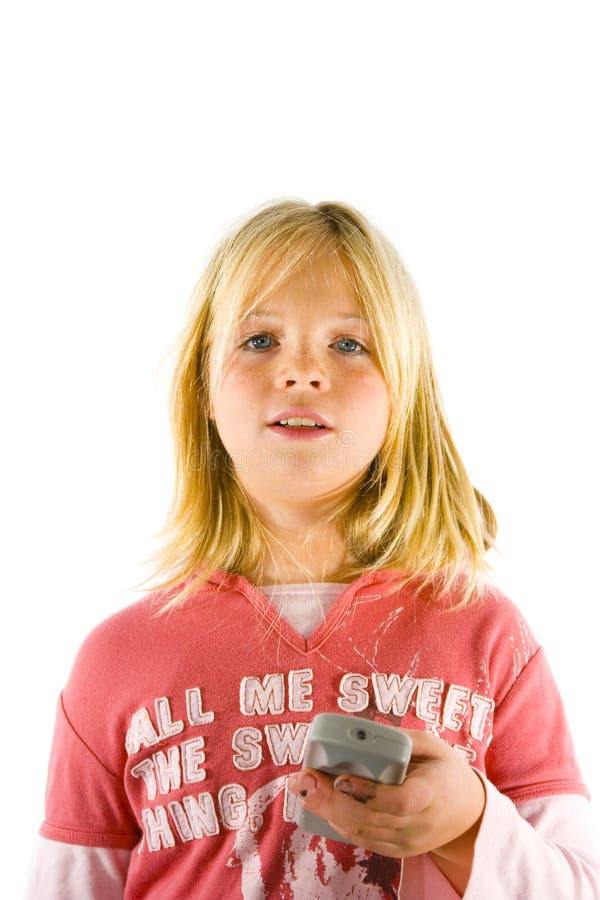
(345, 316)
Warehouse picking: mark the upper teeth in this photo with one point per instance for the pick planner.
(295, 422)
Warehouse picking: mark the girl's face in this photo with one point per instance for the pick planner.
(304, 353)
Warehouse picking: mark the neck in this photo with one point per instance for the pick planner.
(291, 560)
(303, 542)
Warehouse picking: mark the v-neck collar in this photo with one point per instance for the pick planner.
(366, 586)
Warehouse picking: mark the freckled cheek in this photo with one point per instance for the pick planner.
(369, 393)
(239, 383)
(236, 404)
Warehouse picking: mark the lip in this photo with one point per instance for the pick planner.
(300, 433)
(299, 412)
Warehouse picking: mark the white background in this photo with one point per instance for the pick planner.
(135, 132)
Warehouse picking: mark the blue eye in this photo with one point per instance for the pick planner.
(257, 337)
(351, 341)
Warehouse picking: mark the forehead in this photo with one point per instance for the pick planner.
(323, 282)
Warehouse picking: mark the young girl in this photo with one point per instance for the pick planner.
(325, 552)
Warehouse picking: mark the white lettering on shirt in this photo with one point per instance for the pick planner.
(192, 760)
(287, 742)
(141, 732)
(354, 696)
(166, 726)
(455, 707)
(393, 693)
(232, 806)
(299, 689)
(429, 698)
(168, 771)
(481, 707)
(261, 697)
(246, 741)
(201, 814)
(158, 830)
(193, 703)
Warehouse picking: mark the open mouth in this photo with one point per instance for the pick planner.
(299, 422)
(300, 428)
(308, 427)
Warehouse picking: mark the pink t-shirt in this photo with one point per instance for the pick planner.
(175, 734)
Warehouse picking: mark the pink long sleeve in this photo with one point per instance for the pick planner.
(546, 851)
(537, 850)
(72, 872)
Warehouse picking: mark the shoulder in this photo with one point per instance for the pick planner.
(502, 638)
(111, 656)
(125, 648)
(491, 615)
(121, 665)
(491, 631)
(142, 642)
(138, 630)
(500, 617)
(118, 634)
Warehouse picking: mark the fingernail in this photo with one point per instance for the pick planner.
(303, 784)
(345, 786)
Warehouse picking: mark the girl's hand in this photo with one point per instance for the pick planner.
(436, 810)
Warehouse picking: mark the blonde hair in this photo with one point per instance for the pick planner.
(415, 509)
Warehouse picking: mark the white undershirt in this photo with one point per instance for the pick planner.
(303, 606)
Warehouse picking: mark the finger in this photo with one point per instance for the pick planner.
(392, 842)
(400, 801)
(319, 791)
(314, 789)
(356, 821)
(392, 850)
(317, 795)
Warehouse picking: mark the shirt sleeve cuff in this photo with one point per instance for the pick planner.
(513, 860)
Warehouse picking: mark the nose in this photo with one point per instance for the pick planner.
(303, 368)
